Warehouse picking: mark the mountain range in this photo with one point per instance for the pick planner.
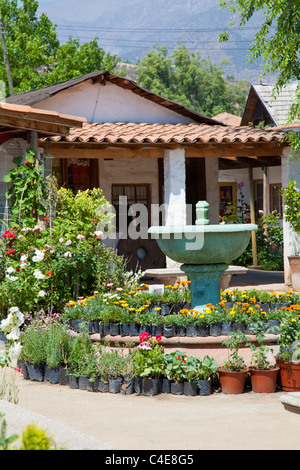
(131, 28)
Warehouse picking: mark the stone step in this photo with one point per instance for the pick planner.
(291, 401)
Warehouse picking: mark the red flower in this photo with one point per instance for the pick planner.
(158, 337)
(45, 218)
(48, 273)
(144, 336)
(94, 220)
(9, 252)
(8, 234)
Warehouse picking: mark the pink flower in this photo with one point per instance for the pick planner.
(68, 242)
(146, 345)
(68, 254)
(79, 237)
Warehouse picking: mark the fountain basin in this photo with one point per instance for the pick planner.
(203, 244)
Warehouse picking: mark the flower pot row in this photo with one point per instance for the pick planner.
(191, 330)
(262, 380)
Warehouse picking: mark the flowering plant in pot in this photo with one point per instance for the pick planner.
(288, 357)
(148, 363)
(206, 368)
(232, 373)
(263, 373)
(175, 370)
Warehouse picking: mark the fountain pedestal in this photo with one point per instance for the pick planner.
(204, 252)
(205, 283)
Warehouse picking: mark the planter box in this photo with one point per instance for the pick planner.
(289, 375)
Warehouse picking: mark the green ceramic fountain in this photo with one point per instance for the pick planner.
(204, 252)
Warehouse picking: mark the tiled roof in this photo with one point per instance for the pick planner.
(34, 97)
(131, 133)
(228, 119)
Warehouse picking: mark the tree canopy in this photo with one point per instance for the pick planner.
(189, 79)
(35, 54)
(278, 39)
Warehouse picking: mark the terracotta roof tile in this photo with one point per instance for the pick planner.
(131, 133)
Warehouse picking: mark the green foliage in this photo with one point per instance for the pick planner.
(291, 196)
(234, 342)
(280, 26)
(148, 357)
(175, 366)
(207, 367)
(6, 441)
(289, 330)
(36, 57)
(27, 190)
(190, 80)
(36, 438)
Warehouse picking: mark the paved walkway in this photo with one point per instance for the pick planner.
(78, 419)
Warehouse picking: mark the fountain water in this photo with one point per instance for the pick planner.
(204, 252)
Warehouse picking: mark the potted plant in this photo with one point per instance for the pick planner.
(190, 384)
(206, 368)
(148, 363)
(262, 372)
(288, 357)
(175, 370)
(34, 342)
(232, 374)
(291, 199)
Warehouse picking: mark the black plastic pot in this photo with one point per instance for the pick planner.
(190, 389)
(73, 382)
(114, 385)
(145, 329)
(92, 385)
(203, 330)
(272, 326)
(103, 386)
(169, 331)
(114, 329)
(251, 328)
(82, 382)
(151, 386)
(53, 374)
(134, 329)
(191, 330)
(238, 326)
(36, 372)
(105, 328)
(176, 388)
(180, 330)
(226, 328)
(205, 387)
(128, 387)
(24, 370)
(157, 330)
(63, 376)
(165, 385)
(137, 383)
(215, 329)
(93, 327)
(125, 329)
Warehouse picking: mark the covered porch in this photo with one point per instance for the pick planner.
(166, 167)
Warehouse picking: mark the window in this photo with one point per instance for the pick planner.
(275, 198)
(227, 197)
(77, 174)
(258, 196)
(135, 194)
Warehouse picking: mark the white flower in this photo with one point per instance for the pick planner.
(145, 345)
(61, 240)
(38, 275)
(68, 242)
(10, 270)
(11, 278)
(37, 229)
(98, 234)
(14, 333)
(24, 257)
(42, 293)
(68, 254)
(39, 256)
(14, 351)
(25, 229)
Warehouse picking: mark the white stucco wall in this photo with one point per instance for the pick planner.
(109, 103)
(212, 193)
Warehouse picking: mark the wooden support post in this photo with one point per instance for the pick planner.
(6, 59)
(252, 215)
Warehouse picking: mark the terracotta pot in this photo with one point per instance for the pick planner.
(264, 381)
(294, 262)
(232, 382)
(289, 375)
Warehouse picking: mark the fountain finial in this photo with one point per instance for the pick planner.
(202, 208)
